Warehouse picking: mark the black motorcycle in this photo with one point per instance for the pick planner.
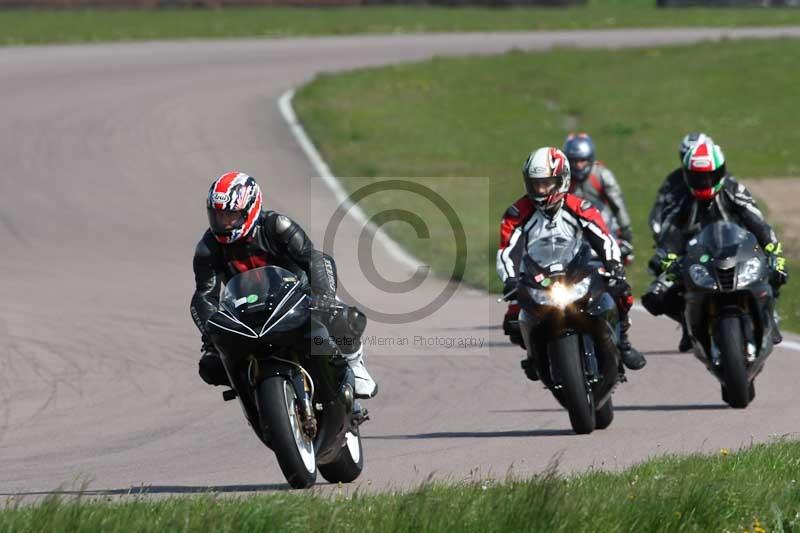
(729, 307)
(297, 403)
(570, 326)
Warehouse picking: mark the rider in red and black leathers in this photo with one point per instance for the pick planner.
(558, 213)
(275, 240)
(269, 238)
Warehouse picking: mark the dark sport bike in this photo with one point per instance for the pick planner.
(729, 307)
(570, 326)
(297, 403)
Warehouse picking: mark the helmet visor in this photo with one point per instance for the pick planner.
(580, 167)
(704, 180)
(578, 164)
(225, 222)
(542, 187)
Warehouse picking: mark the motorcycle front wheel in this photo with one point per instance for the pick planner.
(736, 391)
(280, 416)
(565, 357)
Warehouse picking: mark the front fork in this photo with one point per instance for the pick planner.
(257, 370)
(702, 319)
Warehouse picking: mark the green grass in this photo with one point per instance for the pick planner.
(752, 490)
(482, 116)
(69, 26)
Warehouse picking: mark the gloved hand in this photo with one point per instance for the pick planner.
(208, 347)
(670, 266)
(619, 287)
(668, 261)
(210, 366)
(777, 264)
(616, 272)
(654, 264)
(509, 285)
(325, 303)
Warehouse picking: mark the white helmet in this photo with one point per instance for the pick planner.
(546, 174)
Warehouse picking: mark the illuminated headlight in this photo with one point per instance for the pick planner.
(749, 272)
(701, 277)
(560, 295)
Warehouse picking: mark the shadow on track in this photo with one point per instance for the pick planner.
(154, 489)
(685, 407)
(474, 434)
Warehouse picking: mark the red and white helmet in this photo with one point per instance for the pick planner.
(546, 174)
(233, 204)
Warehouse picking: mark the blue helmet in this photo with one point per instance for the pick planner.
(579, 147)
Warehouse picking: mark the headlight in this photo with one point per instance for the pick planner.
(749, 272)
(561, 295)
(701, 277)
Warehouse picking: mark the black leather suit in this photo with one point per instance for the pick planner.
(278, 241)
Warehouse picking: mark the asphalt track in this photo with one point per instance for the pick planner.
(107, 151)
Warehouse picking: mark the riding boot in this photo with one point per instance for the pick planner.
(631, 357)
(365, 386)
(777, 338)
(685, 343)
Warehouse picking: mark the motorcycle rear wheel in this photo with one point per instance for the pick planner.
(565, 356)
(293, 448)
(348, 463)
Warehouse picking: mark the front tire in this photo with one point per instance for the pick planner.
(731, 347)
(566, 358)
(348, 464)
(293, 448)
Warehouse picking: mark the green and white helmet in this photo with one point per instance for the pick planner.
(704, 169)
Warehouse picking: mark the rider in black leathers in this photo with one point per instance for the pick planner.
(674, 189)
(714, 195)
(241, 236)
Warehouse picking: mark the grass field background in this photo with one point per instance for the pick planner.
(481, 116)
(25, 26)
(755, 490)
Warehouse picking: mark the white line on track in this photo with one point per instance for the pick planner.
(394, 249)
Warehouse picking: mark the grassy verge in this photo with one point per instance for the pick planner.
(752, 490)
(69, 26)
(482, 116)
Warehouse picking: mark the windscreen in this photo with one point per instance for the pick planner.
(554, 250)
(255, 289)
(723, 235)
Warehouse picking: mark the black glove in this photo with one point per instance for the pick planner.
(208, 347)
(777, 264)
(654, 264)
(619, 287)
(779, 274)
(509, 285)
(210, 366)
(616, 273)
